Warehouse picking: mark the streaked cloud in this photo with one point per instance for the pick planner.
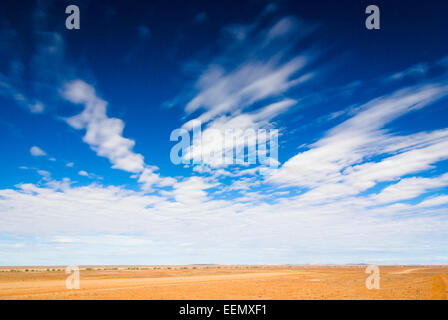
(103, 134)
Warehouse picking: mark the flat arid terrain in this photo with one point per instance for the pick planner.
(225, 282)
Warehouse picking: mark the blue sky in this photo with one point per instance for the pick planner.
(86, 117)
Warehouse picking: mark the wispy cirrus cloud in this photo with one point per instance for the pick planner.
(246, 87)
(256, 64)
(409, 188)
(341, 157)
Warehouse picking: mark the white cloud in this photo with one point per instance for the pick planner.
(44, 173)
(221, 93)
(409, 188)
(239, 78)
(417, 70)
(44, 64)
(103, 134)
(70, 164)
(215, 140)
(37, 152)
(37, 107)
(149, 179)
(238, 89)
(281, 28)
(221, 231)
(89, 175)
(83, 173)
(434, 201)
(192, 190)
(9, 90)
(336, 159)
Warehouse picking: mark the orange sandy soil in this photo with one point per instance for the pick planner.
(225, 282)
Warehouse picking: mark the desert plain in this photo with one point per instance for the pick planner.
(225, 282)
